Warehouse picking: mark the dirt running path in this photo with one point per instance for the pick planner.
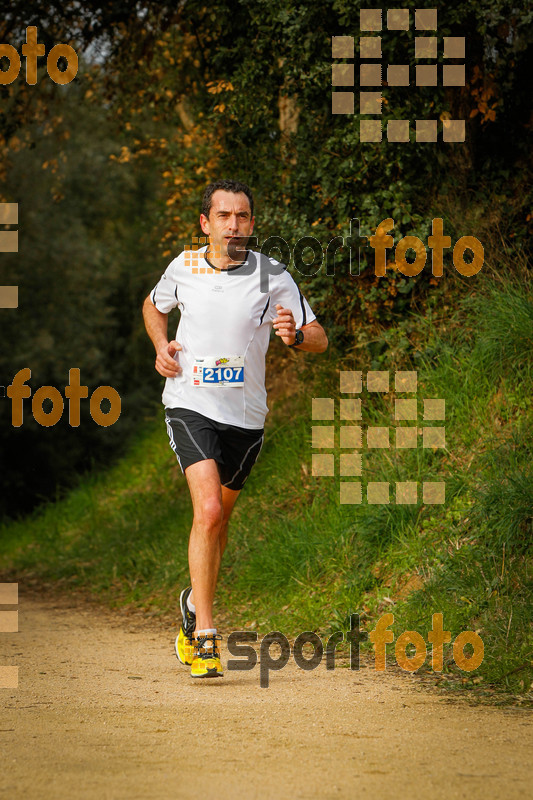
(104, 711)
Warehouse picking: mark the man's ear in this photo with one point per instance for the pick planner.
(204, 224)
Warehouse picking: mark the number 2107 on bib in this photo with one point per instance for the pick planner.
(219, 371)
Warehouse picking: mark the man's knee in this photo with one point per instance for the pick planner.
(210, 515)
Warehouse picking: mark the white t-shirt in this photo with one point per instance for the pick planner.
(225, 314)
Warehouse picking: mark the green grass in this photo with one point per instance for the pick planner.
(117, 535)
(299, 560)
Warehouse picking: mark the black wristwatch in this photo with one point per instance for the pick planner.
(298, 340)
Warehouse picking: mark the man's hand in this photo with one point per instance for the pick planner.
(165, 364)
(285, 325)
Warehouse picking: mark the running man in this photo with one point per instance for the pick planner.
(214, 395)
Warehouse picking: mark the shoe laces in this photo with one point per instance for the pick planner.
(203, 650)
(189, 629)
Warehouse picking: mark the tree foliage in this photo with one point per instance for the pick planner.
(108, 172)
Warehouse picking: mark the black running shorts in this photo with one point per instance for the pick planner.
(194, 437)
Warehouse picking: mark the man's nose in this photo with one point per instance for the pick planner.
(234, 222)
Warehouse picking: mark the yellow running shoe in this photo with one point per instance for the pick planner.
(183, 645)
(206, 660)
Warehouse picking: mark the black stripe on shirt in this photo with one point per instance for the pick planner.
(303, 307)
(264, 311)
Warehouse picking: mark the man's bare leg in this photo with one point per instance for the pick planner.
(212, 507)
(229, 498)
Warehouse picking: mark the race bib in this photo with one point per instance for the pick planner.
(218, 371)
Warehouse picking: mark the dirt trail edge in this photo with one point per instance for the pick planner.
(104, 710)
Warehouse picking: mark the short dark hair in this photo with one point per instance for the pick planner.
(227, 186)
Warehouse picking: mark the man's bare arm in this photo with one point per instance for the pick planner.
(156, 324)
(315, 339)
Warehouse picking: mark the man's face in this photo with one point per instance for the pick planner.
(229, 219)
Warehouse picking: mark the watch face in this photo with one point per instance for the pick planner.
(299, 337)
